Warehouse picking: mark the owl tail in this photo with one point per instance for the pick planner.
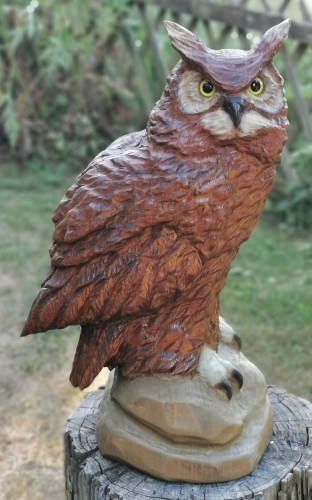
(97, 346)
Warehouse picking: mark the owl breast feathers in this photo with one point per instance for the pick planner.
(144, 239)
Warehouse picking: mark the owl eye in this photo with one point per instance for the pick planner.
(206, 88)
(256, 87)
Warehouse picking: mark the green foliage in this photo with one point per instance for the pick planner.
(51, 175)
(292, 195)
(67, 85)
(9, 117)
(297, 207)
(296, 204)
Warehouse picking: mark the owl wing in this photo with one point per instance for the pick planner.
(114, 253)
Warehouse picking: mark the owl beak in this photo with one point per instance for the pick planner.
(234, 106)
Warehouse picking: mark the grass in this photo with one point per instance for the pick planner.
(26, 207)
(267, 299)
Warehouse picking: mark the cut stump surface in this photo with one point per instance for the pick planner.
(284, 472)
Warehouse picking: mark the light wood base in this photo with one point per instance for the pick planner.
(284, 472)
(182, 430)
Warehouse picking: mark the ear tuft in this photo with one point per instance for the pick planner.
(188, 45)
(271, 42)
(178, 34)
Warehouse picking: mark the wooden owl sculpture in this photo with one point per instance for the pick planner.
(145, 237)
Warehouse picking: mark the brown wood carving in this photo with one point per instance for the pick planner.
(145, 237)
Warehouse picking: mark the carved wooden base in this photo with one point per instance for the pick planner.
(182, 429)
(284, 472)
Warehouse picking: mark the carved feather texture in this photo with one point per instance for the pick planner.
(144, 239)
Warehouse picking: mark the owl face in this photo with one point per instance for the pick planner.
(226, 93)
(228, 114)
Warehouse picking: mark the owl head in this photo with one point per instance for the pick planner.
(227, 95)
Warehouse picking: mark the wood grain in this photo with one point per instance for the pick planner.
(284, 473)
(182, 430)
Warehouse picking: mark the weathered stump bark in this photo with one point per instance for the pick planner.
(284, 473)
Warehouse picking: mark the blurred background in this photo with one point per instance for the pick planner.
(75, 75)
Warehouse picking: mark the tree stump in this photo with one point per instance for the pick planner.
(284, 472)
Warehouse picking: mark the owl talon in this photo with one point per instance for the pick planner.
(237, 340)
(228, 336)
(238, 377)
(226, 387)
(217, 372)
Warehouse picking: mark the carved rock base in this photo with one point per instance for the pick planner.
(283, 473)
(182, 430)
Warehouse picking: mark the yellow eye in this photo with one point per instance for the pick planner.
(206, 88)
(256, 87)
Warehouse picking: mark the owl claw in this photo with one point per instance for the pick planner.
(237, 340)
(238, 377)
(216, 371)
(226, 387)
(228, 336)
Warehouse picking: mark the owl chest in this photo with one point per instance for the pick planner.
(220, 192)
